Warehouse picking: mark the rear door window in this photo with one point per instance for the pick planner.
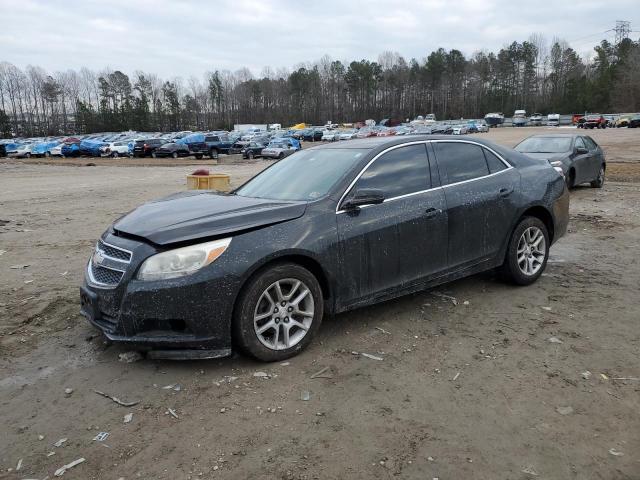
(460, 161)
(398, 172)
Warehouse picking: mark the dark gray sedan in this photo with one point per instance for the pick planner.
(325, 230)
(578, 157)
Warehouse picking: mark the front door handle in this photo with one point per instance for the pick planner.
(432, 212)
(505, 192)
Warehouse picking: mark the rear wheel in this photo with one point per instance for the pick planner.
(47, 154)
(174, 154)
(527, 252)
(281, 156)
(250, 155)
(278, 312)
(199, 157)
(154, 155)
(213, 153)
(115, 154)
(599, 181)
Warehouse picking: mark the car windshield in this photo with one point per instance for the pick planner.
(544, 145)
(278, 145)
(305, 175)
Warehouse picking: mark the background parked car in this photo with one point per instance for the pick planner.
(279, 149)
(312, 135)
(348, 134)
(171, 149)
(146, 147)
(115, 149)
(593, 121)
(622, 121)
(71, 149)
(330, 135)
(21, 151)
(634, 122)
(578, 157)
(253, 149)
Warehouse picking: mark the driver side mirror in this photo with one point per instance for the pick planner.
(363, 197)
(581, 150)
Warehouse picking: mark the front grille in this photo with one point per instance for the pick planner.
(108, 264)
(105, 276)
(114, 252)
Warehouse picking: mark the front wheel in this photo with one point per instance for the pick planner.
(527, 252)
(250, 155)
(115, 154)
(599, 181)
(278, 312)
(213, 153)
(174, 155)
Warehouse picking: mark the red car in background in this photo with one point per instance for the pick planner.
(594, 120)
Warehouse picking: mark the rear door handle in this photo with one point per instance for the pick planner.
(505, 192)
(432, 212)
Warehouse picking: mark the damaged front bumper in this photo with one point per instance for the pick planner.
(182, 318)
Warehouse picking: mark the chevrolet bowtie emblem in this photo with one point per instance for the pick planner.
(98, 258)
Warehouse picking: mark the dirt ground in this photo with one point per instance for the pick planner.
(474, 389)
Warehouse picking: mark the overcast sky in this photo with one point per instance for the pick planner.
(184, 38)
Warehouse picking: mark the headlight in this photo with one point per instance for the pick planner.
(182, 261)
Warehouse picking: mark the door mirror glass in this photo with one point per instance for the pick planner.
(581, 150)
(361, 197)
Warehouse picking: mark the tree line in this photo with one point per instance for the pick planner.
(532, 75)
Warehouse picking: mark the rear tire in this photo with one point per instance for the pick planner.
(599, 181)
(250, 155)
(281, 156)
(213, 153)
(527, 252)
(154, 155)
(254, 298)
(115, 154)
(174, 155)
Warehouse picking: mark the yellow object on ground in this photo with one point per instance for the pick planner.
(215, 181)
(299, 126)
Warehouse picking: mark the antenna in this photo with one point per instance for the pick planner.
(623, 28)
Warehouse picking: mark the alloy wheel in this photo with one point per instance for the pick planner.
(284, 314)
(531, 251)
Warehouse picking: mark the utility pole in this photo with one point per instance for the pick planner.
(623, 28)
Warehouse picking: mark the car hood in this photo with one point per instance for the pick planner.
(192, 215)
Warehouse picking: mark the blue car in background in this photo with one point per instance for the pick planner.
(42, 149)
(91, 147)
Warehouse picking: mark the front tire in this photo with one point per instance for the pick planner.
(115, 154)
(174, 155)
(213, 153)
(527, 252)
(154, 155)
(599, 181)
(278, 312)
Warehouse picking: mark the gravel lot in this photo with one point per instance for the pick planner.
(467, 390)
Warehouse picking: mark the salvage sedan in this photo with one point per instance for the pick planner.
(578, 157)
(326, 230)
